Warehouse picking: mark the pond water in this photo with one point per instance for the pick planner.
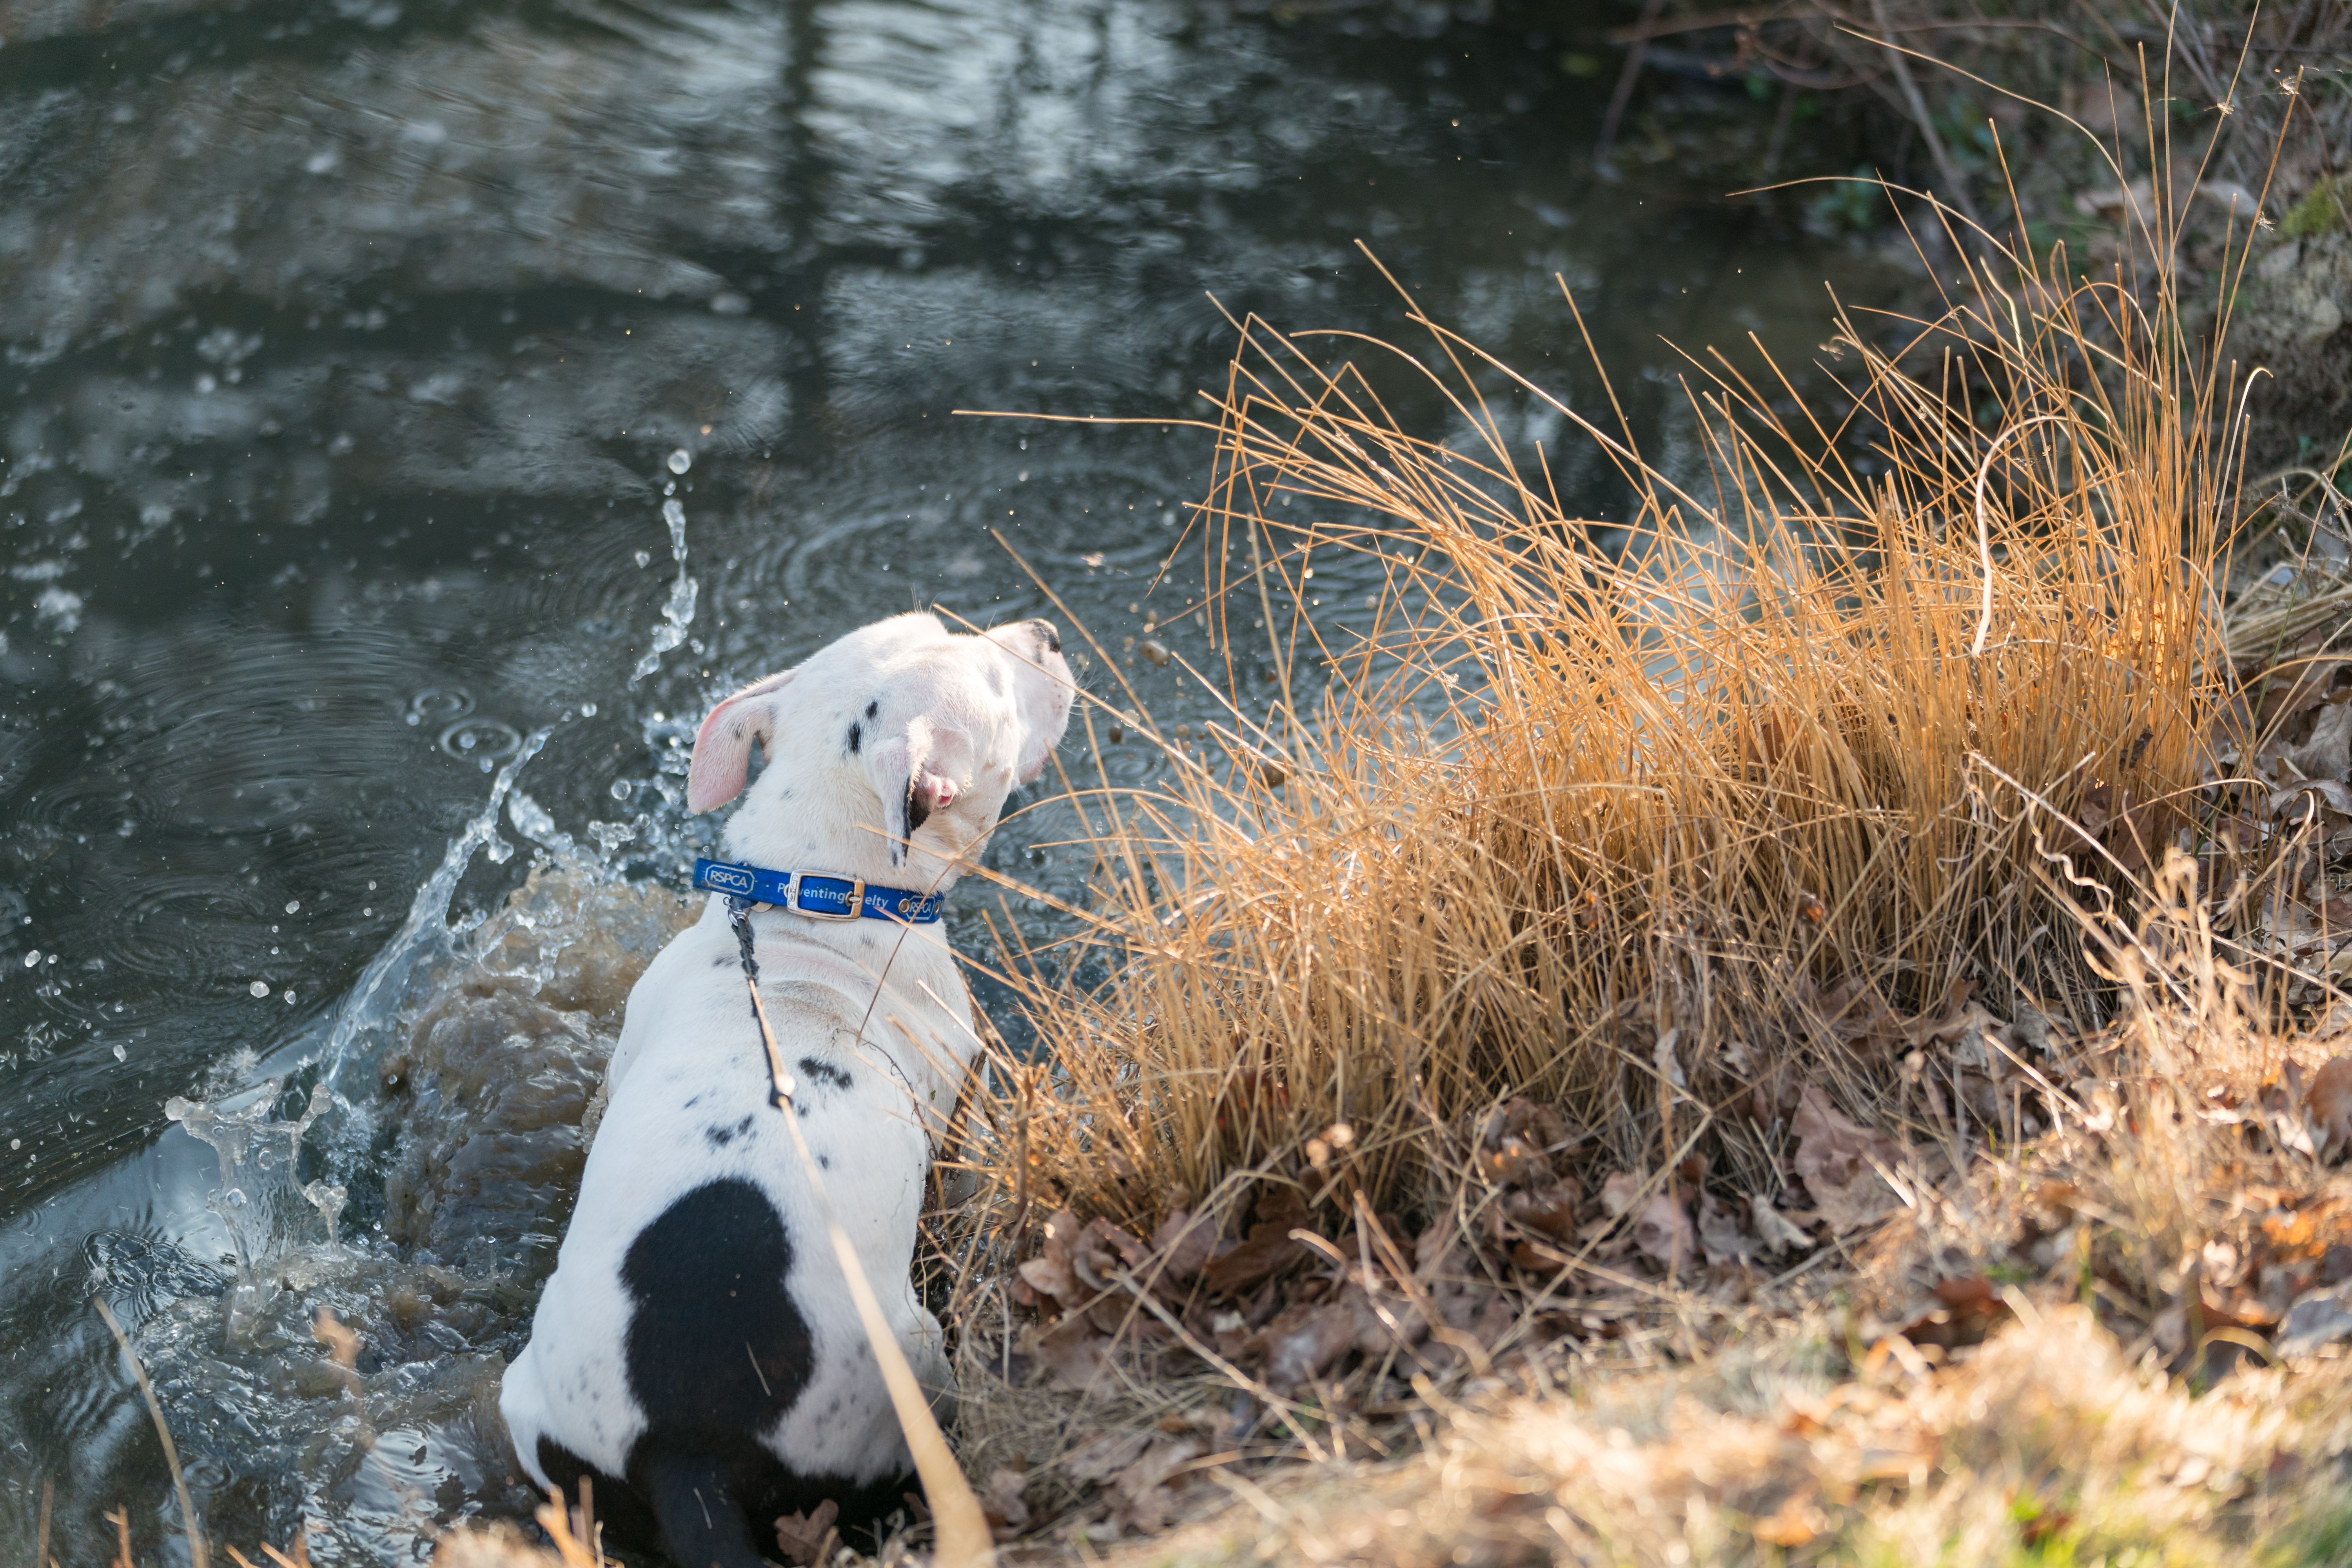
(405, 401)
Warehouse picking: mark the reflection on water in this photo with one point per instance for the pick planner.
(387, 383)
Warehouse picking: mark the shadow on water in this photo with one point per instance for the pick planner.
(352, 356)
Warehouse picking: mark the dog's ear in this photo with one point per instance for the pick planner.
(722, 749)
(1042, 688)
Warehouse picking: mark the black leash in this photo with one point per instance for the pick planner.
(780, 1082)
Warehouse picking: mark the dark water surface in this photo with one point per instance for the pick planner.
(353, 352)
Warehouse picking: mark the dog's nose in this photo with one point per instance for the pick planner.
(1048, 633)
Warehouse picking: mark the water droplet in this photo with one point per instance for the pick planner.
(620, 789)
(674, 514)
(233, 1198)
(587, 711)
(681, 460)
(293, 904)
(258, 988)
(644, 557)
(120, 1054)
(290, 998)
(32, 958)
(489, 739)
(371, 887)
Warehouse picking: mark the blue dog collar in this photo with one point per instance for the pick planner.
(818, 896)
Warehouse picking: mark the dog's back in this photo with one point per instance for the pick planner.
(696, 1353)
(746, 1388)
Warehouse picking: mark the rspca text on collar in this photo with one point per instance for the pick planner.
(817, 895)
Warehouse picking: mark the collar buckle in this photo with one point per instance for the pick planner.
(853, 907)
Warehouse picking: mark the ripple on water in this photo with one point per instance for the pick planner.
(481, 739)
(440, 705)
(188, 926)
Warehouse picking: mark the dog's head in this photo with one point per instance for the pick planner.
(902, 725)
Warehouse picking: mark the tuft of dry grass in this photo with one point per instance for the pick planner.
(1654, 821)
(1564, 966)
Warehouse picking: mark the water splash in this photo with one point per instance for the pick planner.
(679, 614)
(362, 1021)
(266, 1211)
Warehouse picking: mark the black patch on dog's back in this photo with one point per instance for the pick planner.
(825, 1072)
(716, 1349)
(873, 708)
(716, 1352)
(856, 737)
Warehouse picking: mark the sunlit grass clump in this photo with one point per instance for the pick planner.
(1656, 822)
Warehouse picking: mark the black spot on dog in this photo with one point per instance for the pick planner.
(825, 1072)
(716, 1352)
(873, 708)
(722, 962)
(719, 1137)
(692, 1103)
(857, 738)
(825, 1162)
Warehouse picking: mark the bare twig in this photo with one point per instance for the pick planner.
(197, 1554)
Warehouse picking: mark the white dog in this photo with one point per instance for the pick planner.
(696, 1351)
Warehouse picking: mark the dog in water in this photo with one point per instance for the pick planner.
(696, 1351)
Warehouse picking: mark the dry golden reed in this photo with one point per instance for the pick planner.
(1642, 819)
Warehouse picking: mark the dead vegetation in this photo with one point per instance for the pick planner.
(1879, 892)
(2215, 128)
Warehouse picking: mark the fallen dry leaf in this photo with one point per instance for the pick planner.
(2329, 1104)
(1778, 1232)
(1303, 1341)
(1049, 1273)
(1103, 1456)
(1664, 1234)
(1140, 1496)
(1721, 1236)
(1550, 1213)
(1268, 1250)
(1182, 1247)
(1617, 1192)
(1073, 1351)
(1004, 1500)
(2327, 754)
(804, 1537)
(1834, 1157)
(1967, 1309)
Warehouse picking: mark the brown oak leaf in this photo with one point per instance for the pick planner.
(1835, 1158)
